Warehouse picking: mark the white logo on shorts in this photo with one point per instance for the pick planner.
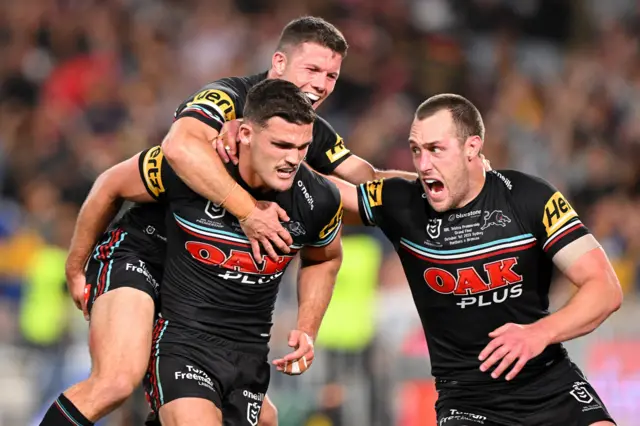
(580, 393)
(461, 415)
(253, 412)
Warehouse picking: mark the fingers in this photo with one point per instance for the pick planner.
(490, 348)
(495, 356)
(498, 331)
(506, 362)
(255, 250)
(269, 249)
(522, 361)
(221, 151)
(282, 214)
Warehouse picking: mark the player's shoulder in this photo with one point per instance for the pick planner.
(322, 126)
(520, 183)
(394, 191)
(239, 86)
(316, 189)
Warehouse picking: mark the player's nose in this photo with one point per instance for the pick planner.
(425, 163)
(319, 83)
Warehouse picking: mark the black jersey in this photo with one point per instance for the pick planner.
(473, 269)
(211, 281)
(218, 102)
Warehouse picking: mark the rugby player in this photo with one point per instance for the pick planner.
(126, 266)
(478, 250)
(211, 341)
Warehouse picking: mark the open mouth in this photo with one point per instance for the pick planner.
(286, 172)
(434, 186)
(312, 97)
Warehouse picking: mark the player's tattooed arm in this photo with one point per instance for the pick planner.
(121, 181)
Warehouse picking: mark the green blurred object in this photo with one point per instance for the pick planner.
(349, 324)
(44, 310)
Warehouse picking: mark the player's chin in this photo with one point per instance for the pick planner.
(282, 181)
(440, 201)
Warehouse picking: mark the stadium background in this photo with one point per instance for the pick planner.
(87, 83)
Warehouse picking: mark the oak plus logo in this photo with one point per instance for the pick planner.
(497, 283)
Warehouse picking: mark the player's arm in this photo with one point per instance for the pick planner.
(120, 182)
(357, 170)
(568, 243)
(349, 195)
(188, 149)
(330, 156)
(320, 262)
(599, 293)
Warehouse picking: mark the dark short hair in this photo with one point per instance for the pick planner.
(278, 98)
(466, 116)
(310, 29)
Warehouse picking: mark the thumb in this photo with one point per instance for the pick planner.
(498, 331)
(294, 338)
(282, 215)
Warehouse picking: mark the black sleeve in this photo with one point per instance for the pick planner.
(213, 105)
(327, 151)
(387, 203)
(330, 211)
(159, 179)
(546, 212)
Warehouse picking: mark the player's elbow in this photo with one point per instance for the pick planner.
(174, 148)
(616, 296)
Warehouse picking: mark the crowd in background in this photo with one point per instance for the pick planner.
(85, 84)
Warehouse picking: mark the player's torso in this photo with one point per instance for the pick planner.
(211, 276)
(471, 271)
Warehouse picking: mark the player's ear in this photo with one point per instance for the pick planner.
(245, 133)
(279, 63)
(473, 147)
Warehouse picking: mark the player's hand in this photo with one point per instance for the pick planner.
(227, 141)
(485, 163)
(512, 342)
(76, 282)
(298, 361)
(263, 227)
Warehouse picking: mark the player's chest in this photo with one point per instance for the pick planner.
(205, 221)
(467, 257)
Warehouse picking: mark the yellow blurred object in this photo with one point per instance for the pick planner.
(16, 253)
(626, 271)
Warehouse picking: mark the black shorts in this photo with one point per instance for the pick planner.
(186, 363)
(559, 397)
(119, 260)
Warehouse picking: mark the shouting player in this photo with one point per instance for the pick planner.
(478, 250)
(126, 267)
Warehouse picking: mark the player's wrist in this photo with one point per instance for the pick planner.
(239, 203)
(545, 330)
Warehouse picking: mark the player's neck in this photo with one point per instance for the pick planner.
(477, 178)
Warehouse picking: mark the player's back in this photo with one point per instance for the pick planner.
(211, 281)
(471, 270)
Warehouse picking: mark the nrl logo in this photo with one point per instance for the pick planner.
(253, 412)
(433, 228)
(214, 211)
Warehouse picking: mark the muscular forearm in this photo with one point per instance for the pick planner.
(200, 167)
(98, 210)
(586, 310)
(381, 174)
(315, 287)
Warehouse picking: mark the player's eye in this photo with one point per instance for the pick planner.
(436, 149)
(415, 150)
